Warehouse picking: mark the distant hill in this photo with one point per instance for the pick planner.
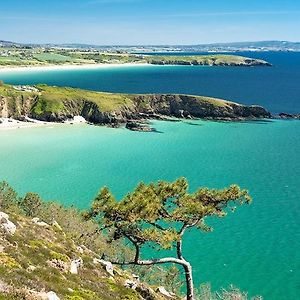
(7, 43)
(261, 45)
(214, 47)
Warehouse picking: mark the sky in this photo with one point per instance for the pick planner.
(150, 22)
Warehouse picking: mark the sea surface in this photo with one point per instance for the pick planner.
(277, 88)
(257, 247)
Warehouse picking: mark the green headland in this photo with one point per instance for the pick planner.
(58, 104)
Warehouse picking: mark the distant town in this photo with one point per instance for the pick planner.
(217, 47)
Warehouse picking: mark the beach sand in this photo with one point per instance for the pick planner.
(9, 123)
(68, 67)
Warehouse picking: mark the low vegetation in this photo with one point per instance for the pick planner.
(49, 237)
(105, 101)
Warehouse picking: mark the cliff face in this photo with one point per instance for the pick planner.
(207, 60)
(185, 106)
(59, 104)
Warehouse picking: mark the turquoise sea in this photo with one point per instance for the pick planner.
(256, 248)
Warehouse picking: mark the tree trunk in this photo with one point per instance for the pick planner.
(189, 281)
(182, 262)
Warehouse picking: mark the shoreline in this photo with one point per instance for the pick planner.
(12, 124)
(10, 69)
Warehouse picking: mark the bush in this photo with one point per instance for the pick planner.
(31, 204)
(8, 196)
(232, 293)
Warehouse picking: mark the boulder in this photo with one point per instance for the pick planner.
(3, 215)
(8, 226)
(163, 291)
(136, 277)
(40, 223)
(46, 296)
(80, 249)
(75, 264)
(31, 268)
(52, 296)
(106, 264)
(130, 284)
(146, 292)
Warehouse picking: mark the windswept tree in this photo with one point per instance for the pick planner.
(160, 214)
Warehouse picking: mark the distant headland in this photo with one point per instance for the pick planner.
(44, 103)
(16, 56)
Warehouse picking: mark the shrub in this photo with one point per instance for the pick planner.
(8, 196)
(31, 204)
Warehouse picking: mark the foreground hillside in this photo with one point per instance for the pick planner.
(58, 104)
(52, 252)
(40, 261)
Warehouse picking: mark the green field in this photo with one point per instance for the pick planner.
(52, 57)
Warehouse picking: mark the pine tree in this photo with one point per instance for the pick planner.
(161, 214)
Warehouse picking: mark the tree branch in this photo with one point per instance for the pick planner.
(157, 226)
(154, 262)
(181, 232)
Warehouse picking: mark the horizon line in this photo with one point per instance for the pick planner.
(148, 45)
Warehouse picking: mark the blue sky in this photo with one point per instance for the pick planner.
(149, 21)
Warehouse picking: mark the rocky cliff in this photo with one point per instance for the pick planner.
(207, 60)
(58, 104)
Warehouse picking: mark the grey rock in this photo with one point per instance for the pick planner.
(106, 264)
(8, 226)
(75, 265)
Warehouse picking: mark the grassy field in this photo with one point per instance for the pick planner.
(52, 57)
(53, 97)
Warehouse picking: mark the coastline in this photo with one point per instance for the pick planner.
(12, 124)
(8, 69)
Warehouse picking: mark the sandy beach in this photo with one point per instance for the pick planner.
(68, 67)
(9, 123)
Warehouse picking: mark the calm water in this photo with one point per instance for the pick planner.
(257, 248)
(277, 88)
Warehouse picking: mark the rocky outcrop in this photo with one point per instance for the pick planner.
(213, 60)
(139, 126)
(5, 224)
(289, 116)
